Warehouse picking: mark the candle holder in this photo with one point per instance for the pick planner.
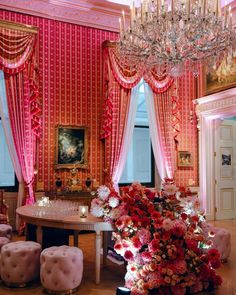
(83, 211)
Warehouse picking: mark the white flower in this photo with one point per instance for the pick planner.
(170, 189)
(103, 192)
(113, 202)
(96, 211)
(115, 213)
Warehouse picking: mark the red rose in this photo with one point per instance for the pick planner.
(213, 254)
(217, 280)
(215, 264)
(205, 272)
(184, 216)
(128, 255)
(195, 218)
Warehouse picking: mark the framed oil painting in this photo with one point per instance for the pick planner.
(71, 147)
(223, 77)
(184, 159)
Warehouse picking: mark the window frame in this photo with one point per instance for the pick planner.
(13, 188)
(152, 182)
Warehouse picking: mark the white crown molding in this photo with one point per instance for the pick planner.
(98, 14)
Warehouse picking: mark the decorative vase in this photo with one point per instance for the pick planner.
(88, 183)
(58, 184)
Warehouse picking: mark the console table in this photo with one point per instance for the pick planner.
(82, 197)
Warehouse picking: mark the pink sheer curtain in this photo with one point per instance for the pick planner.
(17, 47)
(118, 80)
(118, 83)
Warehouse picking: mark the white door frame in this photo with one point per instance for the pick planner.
(208, 109)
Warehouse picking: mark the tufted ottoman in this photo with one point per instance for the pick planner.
(20, 263)
(221, 240)
(61, 269)
(3, 241)
(5, 231)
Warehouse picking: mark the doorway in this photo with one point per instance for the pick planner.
(225, 168)
(209, 109)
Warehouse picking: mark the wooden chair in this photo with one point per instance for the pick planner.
(3, 210)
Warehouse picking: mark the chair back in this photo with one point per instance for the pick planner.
(3, 207)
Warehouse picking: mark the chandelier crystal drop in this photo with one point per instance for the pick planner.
(176, 35)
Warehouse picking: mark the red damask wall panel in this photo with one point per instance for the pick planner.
(70, 85)
(188, 137)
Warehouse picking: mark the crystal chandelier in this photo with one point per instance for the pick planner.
(177, 35)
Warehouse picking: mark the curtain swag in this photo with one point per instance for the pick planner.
(17, 61)
(118, 81)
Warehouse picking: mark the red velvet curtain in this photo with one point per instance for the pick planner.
(120, 79)
(17, 60)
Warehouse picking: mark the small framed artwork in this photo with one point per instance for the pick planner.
(184, 159)
(226, 169)
(71, 147)
(221, 77)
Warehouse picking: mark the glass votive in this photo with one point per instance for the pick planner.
(83, 211)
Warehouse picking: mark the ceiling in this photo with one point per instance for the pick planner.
(103, 14)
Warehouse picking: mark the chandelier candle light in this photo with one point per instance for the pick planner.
(178, 34)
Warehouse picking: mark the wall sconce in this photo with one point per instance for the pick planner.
(191, 117)
(83, 211)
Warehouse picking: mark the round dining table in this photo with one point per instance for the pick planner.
(32, 214)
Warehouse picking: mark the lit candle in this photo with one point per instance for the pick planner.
(157, 6)
(226, 13)
(189, 8)
(120, 26)
(217, 5)
(131, 16)
(204, 7)
(141, 7)
(123, 19)
(172, 7)
(83, 211)
(230, 18)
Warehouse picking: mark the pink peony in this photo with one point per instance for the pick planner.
(146, 256)
(154, 245)
(144, 236)
(167, 224)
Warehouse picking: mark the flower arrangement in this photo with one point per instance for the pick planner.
(161, 238)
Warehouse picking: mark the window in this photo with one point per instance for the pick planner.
(8, 179)
(140, 160)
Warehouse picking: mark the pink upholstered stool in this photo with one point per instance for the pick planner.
(3, 241)
(61, 269)
(221, 240)
(20, 263)
(5, 231)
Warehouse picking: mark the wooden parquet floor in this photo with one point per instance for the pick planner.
(112, 275)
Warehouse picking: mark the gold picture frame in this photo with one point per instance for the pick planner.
(221, 78)
(185, 159)
(71, 146)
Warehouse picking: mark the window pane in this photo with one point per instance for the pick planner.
(7, 174)
(138, 165)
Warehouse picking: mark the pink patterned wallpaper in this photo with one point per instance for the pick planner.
(70, 84)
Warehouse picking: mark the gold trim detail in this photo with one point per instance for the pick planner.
(18, 26)
(66, 292)
(15, 285)
(109, 44)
